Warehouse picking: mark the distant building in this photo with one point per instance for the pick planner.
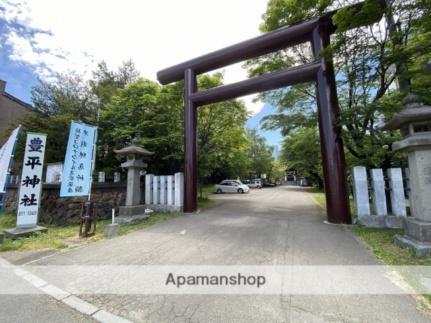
(11, 109)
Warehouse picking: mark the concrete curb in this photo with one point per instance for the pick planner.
(66, 298)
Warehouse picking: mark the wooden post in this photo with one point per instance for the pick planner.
(333, 160)
(190, 143)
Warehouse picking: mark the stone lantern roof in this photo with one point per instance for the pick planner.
(411, 121)
(134, 149)
(414, 112)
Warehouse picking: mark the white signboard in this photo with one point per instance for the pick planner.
(5, 155)
(31, 180)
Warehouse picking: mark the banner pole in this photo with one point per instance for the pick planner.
(93, 163)
(9, 170)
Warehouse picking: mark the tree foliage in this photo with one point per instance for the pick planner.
(259, 154)
(221, 136)
(371, 61)
(71, 97)
(125, 106)
(55, 105)
(301, 152)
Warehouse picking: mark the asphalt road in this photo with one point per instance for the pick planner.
(273, 226)
(37, 308)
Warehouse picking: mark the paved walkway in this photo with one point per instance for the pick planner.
(274, 226)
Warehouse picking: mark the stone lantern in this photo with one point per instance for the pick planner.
(414, 121)
(134, 166)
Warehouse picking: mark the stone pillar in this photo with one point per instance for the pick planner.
(379, 195)
(117, 177)
(420, 174)
(163, 190)
(179, 189)
(101, 177)
(360, 192)
(156, 189)
(396, 186)
(170, 190)
(417, 228)
(133, 196)
(149, 189)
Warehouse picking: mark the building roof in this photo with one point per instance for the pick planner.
(11, 97)
(15, 99)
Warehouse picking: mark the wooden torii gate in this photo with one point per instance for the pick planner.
(321, 71)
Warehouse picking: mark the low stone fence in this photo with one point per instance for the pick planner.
(66, 210)
(381, 200)
(164, 193)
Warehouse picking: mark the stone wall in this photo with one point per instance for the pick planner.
(66, 210)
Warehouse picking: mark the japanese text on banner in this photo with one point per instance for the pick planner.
(78, 162)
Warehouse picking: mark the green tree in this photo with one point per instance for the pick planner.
(56, 103)
(370, 63)
(146, 111)
(301, 152)
(278, 169)
(106, 83)
(124, 108)
(221, 136)
(259, 153)
(154, 114)
(70, 97)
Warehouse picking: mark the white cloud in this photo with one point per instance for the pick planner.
(154, 34)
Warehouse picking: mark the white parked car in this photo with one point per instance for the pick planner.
(231, 186)
(255, 183)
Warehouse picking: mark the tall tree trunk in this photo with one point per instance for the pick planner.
(397, 41)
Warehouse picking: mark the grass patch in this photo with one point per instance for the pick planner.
(153, 219)
(204, 200)
(60, 237)
(7, 221)
(205, 191)
(381, 243)
(318, 196)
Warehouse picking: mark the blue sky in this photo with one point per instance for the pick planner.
(20, 76)
(43, 36)
(273, 137)
(39, 38)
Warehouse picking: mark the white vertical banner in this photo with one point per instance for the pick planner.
(31, 180)
(6, 153)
